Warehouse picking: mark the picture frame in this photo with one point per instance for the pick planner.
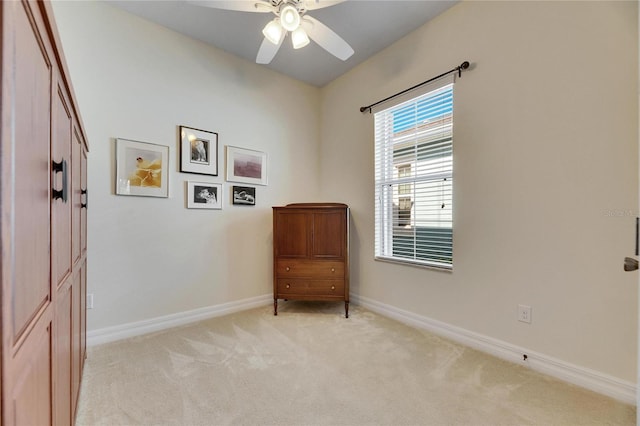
(198, 151)
(243, 195)
(246, 166)
(204, 195)
(142, 169)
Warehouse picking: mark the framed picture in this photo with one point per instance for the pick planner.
(246, 166)
(244, 195)
(204, 195)
(198, 151)
(142, 169)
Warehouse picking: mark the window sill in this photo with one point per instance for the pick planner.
(423, 265)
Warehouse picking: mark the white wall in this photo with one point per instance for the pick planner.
(151, 257)
(546, 184)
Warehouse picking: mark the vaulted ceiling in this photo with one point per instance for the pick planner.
(368, 26)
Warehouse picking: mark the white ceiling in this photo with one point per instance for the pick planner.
(368, 26)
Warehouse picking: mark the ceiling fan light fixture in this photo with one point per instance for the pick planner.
(299, 38)
(273, 31)
(289, 17)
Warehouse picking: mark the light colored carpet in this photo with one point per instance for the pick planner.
(311, 366)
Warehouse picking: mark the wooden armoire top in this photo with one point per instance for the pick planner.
(315, 205)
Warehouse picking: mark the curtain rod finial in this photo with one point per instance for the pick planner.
(464, 65)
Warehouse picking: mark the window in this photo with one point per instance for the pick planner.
(414, 180)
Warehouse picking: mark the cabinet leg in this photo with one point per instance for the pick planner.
(346, 309)
(275, 306)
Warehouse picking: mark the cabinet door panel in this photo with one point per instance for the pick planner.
(76, 305)
(292, 235)
(31, 94)
(31, 392)
(85, 200)
(83, 315)
(328, 234)
(61, 209)
(76, 190)
(62, 358)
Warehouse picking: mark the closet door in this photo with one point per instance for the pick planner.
(62, 183)
(77, 303)
(84, 205)
(76, 352)
(27, 291)
(61, 253)
(77, 196)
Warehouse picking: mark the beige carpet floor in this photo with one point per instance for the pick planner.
(311, 366)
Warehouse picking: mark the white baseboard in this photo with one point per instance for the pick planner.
(584, 377)
(590, 379)
(124, 331)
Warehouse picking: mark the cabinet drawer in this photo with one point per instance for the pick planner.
(309, 268)
(302, 287)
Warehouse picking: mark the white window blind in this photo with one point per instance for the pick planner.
(414, 180)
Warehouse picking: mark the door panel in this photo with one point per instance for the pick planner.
(63, 356)
(61, 209)
(328, 234)
(292, 234)
(30, 287)
(32, 389)
(76, 210)
(75, 336)
(85, 200)
(83, 314)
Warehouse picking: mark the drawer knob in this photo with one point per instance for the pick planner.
(288, 286)
(333, 269)
(288, 269)
(333, 287)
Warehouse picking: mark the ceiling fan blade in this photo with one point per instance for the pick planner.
(260, 6)
(268, 50)
(326, 38)
(319, 4)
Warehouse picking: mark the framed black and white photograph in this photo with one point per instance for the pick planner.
(198, 151)
(244, 195)
(142, 169)
(204, 195)
(246, 166)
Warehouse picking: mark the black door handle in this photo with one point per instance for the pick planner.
(60, 167)
(630, 264)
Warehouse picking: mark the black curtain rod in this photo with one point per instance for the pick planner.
(463, 66)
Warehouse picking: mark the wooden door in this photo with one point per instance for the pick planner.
(291, 233)
(27, 311)
(62, 184)
(83, 315)
(77, 196)
(61, 253)
(63, 356)
(328, 234)
(85, 201)
(78, 293)
(76, 340)
(84, 206)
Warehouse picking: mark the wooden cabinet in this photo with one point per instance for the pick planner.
(43, 236)
(311, 253)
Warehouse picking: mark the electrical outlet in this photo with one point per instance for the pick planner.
(524, 313)
(90, 301)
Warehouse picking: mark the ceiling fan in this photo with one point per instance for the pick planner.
(291, 16)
